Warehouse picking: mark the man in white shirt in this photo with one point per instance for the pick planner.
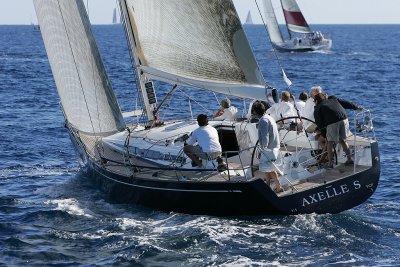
(301, 103)
(206, 137)
(283, 109)
(227, 112)
(308, 111)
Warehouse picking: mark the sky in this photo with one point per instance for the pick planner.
(315, 11)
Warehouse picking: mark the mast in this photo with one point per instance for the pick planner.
(149, 106)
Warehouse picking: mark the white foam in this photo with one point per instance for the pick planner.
(71, 206)
(35, 171)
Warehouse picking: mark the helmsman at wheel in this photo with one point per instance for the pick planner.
(208, 146)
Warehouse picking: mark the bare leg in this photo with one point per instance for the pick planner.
(267, 179)
(345, 149)
(330, 152)
(274, 176)
(323, 144)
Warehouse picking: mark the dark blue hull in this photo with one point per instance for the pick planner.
(238, 198)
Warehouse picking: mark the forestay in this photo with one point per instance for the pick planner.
(86, 95)
(295, 20)
(194, 43)
(272, 24)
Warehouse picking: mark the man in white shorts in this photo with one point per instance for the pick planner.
(269, 145)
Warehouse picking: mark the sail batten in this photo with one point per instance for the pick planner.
(200, 41)
(295, 20)
(88, 101)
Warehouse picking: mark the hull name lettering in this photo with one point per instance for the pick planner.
(330, 192)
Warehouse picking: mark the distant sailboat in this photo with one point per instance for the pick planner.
(301, 37)
(36, 27)
(114, 21)
(249, 20)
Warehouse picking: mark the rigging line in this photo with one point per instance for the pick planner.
(190, 109)
(278, 60)
(188, 96)
(215, 95)
(76, 67)
(266, 29)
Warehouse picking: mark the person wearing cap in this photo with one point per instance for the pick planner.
(203, 143)
(227, 112)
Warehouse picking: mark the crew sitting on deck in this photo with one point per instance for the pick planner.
(226, 111)
(208, 146)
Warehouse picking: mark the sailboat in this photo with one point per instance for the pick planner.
(114, 20)
(301, 37)
(249, 19)
(35, 27)
(200, 45)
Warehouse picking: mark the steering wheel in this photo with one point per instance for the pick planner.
(282, 120)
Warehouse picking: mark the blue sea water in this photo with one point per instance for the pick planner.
(51, 215)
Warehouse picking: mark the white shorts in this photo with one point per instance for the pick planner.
(269, 161)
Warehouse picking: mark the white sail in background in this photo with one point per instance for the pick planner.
(295, 20)
(272, 23)
(199, 44)
(249, 20)
(86, 95)
(114, 21)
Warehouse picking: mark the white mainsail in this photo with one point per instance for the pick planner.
(198, 44)
(295, 20)
(272, 23)
(87, 98)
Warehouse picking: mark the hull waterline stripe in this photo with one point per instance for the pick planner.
(170, 189)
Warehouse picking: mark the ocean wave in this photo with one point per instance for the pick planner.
(71, 206)
(19, 170)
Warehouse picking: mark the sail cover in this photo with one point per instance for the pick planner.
(88, 101)
(272, 24)
(295, 20)
(194, 43)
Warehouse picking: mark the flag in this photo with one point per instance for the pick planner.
(285, 78)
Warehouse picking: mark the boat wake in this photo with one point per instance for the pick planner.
(39, 171)
(71, 206)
